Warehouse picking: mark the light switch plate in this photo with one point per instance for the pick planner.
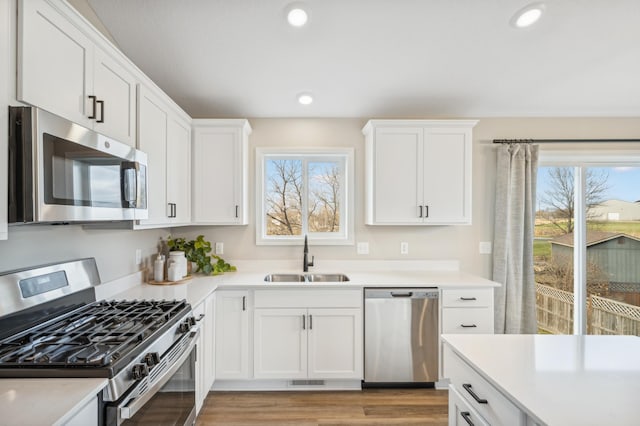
(219, 248)
(485, 247)
(138, 256)
(363, 248)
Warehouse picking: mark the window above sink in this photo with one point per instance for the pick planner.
(304, 191)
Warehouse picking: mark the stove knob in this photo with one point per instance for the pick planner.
(152, 358)
(139, 371)
(187, 324)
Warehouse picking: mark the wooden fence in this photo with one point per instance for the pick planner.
(604, 316)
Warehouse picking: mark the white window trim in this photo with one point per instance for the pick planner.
(583, 159)
(346, 238)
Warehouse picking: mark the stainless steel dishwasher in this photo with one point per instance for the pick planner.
(400, 337)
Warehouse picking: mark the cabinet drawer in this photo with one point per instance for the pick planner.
(468, 298)
(497, 410)
(308, 298)
(467, 320)
(460, 412)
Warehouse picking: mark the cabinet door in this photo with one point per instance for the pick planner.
(179, 169)
(219, 160)
(152, 139)
(335, 344)
(115, 87)
(232, 335)
(280, 343)
(398, 178)
(55, 62)
(447, 175)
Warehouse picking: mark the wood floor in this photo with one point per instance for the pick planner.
(367, 407)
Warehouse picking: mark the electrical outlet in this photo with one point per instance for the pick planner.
(138, 256)
(363, 248)
(219, 248)
(485, 247)
(404, 248)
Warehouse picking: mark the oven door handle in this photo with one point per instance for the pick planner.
(130, 410)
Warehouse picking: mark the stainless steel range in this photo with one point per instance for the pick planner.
(52, 326)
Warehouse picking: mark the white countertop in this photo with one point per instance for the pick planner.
(44, 401)
(560, 380)
(361, 274)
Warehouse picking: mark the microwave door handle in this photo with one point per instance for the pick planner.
(129, 184)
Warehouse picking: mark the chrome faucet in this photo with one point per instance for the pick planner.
(305, 261)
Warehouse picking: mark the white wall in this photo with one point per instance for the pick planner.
(114, 249)
(428, 242)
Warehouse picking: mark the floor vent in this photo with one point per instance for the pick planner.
(307, 383)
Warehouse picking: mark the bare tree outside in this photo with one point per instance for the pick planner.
(324, 197)
(284, 197)
(286, 190)
(559, 199)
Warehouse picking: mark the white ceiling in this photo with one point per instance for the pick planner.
(385, 58)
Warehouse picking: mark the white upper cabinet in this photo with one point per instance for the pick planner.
(61, 70)
(220, 172)
(418, 172)
(165, 135)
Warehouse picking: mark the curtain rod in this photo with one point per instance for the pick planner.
(507, 141)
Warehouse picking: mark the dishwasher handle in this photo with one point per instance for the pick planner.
(401, 293)
(408, 294)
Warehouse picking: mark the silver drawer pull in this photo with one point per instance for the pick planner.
(467, 387)
(467, 417)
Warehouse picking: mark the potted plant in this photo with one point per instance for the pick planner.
(198, 251)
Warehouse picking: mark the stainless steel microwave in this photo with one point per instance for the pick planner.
(61, 172)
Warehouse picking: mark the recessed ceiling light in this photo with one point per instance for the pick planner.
(296, 15)
(528, 15)
(305, 98)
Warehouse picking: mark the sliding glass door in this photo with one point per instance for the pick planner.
(587, 248)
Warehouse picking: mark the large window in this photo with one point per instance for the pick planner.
(587, 244)
(304, 192)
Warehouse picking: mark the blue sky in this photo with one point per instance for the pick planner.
(623, 182)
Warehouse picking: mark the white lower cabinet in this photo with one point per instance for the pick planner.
(301, 343)
(85, 416)
(460, 412)
(470, 392)
(465, 311)
(232, 343)
(205, 355)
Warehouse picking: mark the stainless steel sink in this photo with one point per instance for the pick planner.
(284, 278)
(327, 278)
(310, 278)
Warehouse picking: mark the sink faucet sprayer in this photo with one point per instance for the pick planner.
(305, 262)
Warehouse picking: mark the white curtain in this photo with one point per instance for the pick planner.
(515, 300)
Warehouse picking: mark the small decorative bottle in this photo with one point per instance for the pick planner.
(158, 268)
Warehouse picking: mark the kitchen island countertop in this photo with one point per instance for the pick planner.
(45, 401)
(560, 380)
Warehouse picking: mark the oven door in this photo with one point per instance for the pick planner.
(166, 396)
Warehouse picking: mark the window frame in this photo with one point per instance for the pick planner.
(347, 198)
(602, 156)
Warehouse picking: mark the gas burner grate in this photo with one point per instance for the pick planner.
(96, 335)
